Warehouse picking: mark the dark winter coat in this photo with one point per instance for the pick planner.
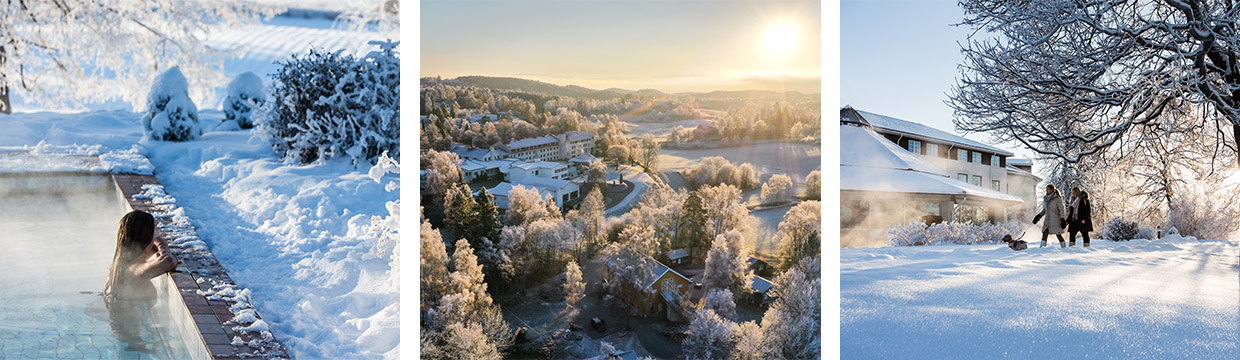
(1053, 213)
(1083, 221)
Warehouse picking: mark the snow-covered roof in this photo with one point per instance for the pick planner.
(677, 254)
(1013, 170)
(578, 135)
(530, 142)
(544, 183)
(531, 165)
(883, 123)
(659, 271)
(861, 147)
(488, 117)
(473, 153)
(471, 165)
(869, 162)
(1019, 162)
(760, 285)
(584, 158)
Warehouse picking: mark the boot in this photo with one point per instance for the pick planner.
(1072, 242)
(1062, 244)
(1086, 244)
(1043, 243)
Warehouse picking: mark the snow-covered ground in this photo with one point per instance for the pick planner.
(796, 160)
(1163, 299)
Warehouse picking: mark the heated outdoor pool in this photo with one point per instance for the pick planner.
(57, 238)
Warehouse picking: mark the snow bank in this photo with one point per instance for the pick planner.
(299, 237)
(1168, 298)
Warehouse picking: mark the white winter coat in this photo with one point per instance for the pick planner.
(1053, 213)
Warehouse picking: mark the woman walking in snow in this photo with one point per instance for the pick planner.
(1053, 211)
(1079, 219)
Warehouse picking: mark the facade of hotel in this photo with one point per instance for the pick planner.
(895, 172)
(551, 147)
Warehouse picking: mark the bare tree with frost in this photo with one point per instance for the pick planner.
(65, 52)
(1069, 78)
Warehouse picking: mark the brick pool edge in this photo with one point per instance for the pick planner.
(209, 316)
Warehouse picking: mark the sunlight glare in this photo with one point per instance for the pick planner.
(780, 37)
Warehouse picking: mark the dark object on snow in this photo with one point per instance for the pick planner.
(520, 335)
(1037, 218)
(598, 324)
(1017, 245)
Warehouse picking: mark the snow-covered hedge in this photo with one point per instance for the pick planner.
(170, 114)
(1118, 229)
(917, 233)
(327, 105)
(245, 94)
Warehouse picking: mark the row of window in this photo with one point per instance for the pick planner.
(977, 180)
(914, 146)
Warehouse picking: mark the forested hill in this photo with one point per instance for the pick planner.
(539, 87)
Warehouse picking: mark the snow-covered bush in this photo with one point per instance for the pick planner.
(327, 105)
(716, 170)
(1118, 229)
(170, 114)
(245, 94)
(917, 233)
(911, 234)
(1147, 233)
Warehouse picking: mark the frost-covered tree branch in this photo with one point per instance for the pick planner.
(70, 52)
(1070, 78)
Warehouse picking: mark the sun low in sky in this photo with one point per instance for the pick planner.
(671, 46)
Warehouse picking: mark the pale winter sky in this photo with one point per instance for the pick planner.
(673, 46)
(899, 58)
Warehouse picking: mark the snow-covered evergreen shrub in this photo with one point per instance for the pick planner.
(1147, 233)
(170, 114)
(1173, 231)
(1118, 229)
(245, 94)
(327, 105)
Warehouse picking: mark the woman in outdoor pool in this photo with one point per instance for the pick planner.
(129, 294)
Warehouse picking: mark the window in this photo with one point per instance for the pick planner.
(994, 160)
(963, 177)
(977, 157)
(977, 180)
(914, 146)
(932, 150)
(994, 184)
(962, 155)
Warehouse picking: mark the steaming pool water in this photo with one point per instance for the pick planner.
(58, 234)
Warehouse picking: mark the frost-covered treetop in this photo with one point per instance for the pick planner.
(66, 53)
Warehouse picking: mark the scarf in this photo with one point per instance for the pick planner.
(1076, 204)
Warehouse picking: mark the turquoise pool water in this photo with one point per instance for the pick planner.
(57, 237)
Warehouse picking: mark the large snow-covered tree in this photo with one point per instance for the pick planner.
(724, 209)
(70, 52)
(1070, 78)
(725, 264)
(443, 172)
(792, 323)
(776, 189)
(434, 265)
(709, 336)
(574, 291)
(799, 235)
(813, 185)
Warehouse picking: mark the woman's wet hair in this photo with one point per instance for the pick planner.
(136, 231)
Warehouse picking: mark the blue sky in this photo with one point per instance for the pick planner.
(676, 45)
(899, 58)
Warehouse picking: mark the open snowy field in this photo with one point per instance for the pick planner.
(794, 159)
(660, 130)
(1171, 298)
